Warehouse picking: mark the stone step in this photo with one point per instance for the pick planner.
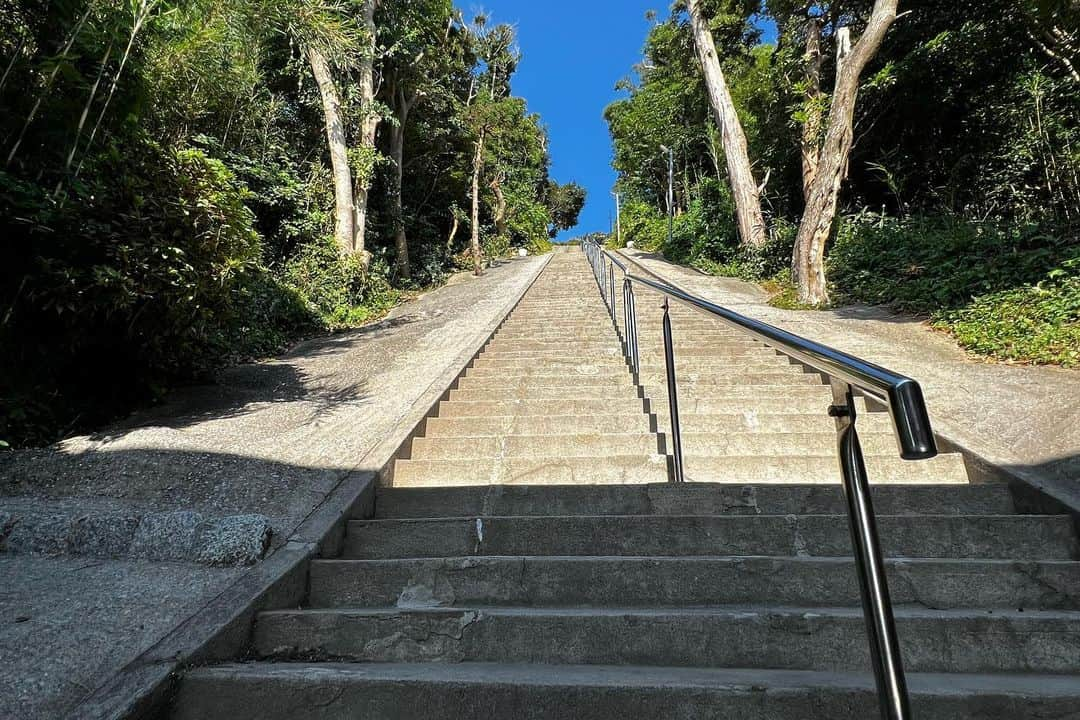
(1028, 537)
(710, 359)
(691, 406)
(512, 390)
(643, 443)
(821, 444)
(686, 499)
(611, 342)
(742, 636)
(583, 370)
(822, 467)
(617, 406)
(522, 389)
(558, 470)
(537, 446)
(621, 380)
(510, 364)
(753, 421)
(530, 581)
(442, 691)
(536, 425)
(738, 390)
(748, 377)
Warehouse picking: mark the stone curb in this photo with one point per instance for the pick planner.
(222, 629)
(179, 536)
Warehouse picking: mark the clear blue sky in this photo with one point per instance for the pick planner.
(574, 53)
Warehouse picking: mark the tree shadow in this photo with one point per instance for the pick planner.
(293, 377)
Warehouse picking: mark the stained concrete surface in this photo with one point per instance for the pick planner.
(270, 438)
(1023, 417)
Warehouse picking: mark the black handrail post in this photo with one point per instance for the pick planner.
(869, 562)
(611, 289)
(630, 325)
(673, 396)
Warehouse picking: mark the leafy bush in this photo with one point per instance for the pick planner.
(337, 287)
(924, 264)
(145, 275)
(1008, 291)
(1037, 323)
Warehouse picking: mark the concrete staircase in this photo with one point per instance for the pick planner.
(510, 574)
(549, 400)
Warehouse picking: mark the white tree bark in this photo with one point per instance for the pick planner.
(339, 157)
(811, 129)
(743, 187)
(817, 220)
(369, 126)
(474, 242)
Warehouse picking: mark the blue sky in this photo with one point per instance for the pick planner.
(574, 53)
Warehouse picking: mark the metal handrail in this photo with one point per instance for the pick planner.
(848, 374)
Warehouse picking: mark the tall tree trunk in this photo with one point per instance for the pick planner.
(743, 187)
(339, 155)
(817, 220)
(474, 243)
(453, 230)
(369, 126)
(811, 129)
(500, 207)
(397, 155)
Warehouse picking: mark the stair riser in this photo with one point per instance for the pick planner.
(538, 446)
(685, 582)
(712, 424)
(547, 425)
(696, 445)
(822, 465)
(619, 406)
(736, 639)
(583, 372)
(1004, 537)
(688, 499)
(556, 470)
(329, 694)
(751, 380)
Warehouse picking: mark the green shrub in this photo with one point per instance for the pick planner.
(1037, 323)
(144, 275)
(924, 264)
(337, 287)
(1007, 291)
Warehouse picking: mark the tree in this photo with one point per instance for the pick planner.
(832, 157)
(345, 210)
(417, 62)
(744, 188)
(369, 126)
(494, 47)
(565, 203)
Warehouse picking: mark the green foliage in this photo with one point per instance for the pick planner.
(923, 264)
(962, 186)
(1037, 323)
(146, 277)
(1008, 291)
(167, 198)
(336, 287)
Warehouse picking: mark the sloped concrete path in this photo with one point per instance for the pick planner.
(273, 438)
(1024, 418)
